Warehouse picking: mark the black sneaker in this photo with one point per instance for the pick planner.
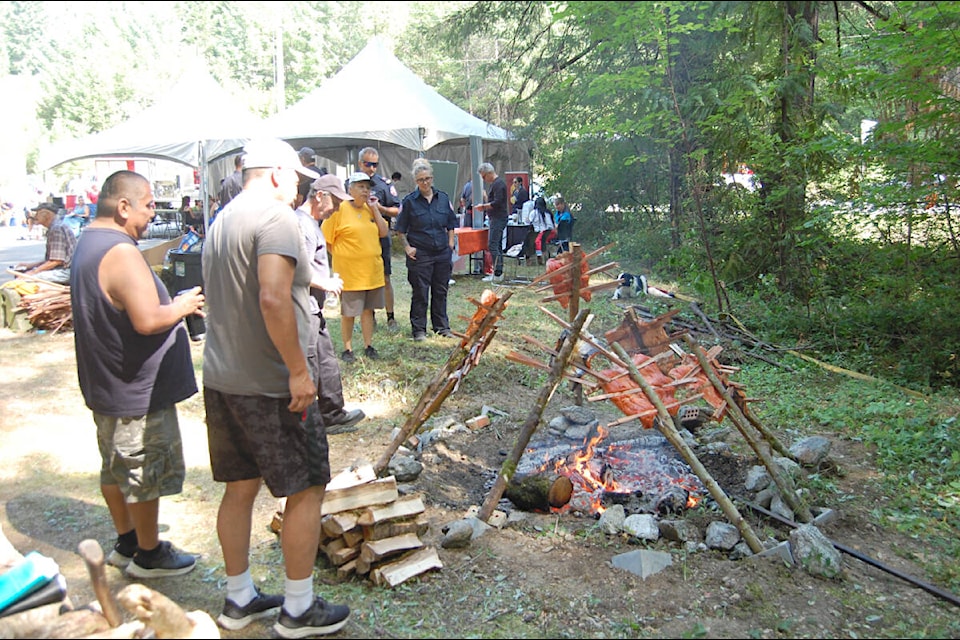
(320, 619)
(446, 333)
(371, 353)
(347, 356)
(165, 560)
(122, 553)
(346, 423)
(235, 617)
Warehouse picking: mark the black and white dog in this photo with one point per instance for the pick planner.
(630, 286)
(634, 285)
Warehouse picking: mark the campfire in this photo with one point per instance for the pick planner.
(645, 474)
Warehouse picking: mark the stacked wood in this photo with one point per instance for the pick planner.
(367, 529)
(47, 304)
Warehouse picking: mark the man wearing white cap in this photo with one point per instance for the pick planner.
(259, 391)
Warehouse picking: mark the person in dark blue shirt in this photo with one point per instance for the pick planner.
(426, 226)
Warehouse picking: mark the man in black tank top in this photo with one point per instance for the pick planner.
(134, 365)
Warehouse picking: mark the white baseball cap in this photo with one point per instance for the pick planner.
(274, 153)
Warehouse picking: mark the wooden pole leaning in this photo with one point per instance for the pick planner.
(509, 466)
(670, 432)
(445, 379)
(752, 436)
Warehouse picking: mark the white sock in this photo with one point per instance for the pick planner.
(240, 589)
(297, 595)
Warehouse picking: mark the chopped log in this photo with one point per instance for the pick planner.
(358, 473)
(332, 546)
(407, 567)
(335, 524)
(347, 569)
(354, 537)
(376, 550)
(409, 506)
(417, 526)
(361, 566)
(343, 556)
(381, 491)
(539, 491)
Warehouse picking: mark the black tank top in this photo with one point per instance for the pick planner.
(123, 373)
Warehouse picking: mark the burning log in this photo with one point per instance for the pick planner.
(540, 491)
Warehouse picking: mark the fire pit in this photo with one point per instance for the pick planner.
(643, 473)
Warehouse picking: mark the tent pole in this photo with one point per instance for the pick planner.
(204, 185)
(476, 158)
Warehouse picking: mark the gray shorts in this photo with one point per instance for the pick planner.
(354, 303)
(259, 437)
(143, 455)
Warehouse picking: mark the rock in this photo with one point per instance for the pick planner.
(757, 478)
(611, 520)
(813, 552)
(722, 535)
(459, 533)
(680, 531)
(578, 415)
(642, 526)
(404, 468)
(779, 507)
(811, 451)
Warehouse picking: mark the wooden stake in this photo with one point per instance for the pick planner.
(752, 436)
(669, 430)
(533, 420)
(445, 381)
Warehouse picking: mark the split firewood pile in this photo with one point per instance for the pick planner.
(47, 304)
(367, 529)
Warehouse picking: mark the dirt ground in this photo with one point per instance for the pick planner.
(544, 575)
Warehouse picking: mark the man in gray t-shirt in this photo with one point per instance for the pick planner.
(259, 393)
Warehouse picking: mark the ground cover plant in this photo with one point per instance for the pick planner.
(892, 479)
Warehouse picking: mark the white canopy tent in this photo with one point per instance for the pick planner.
(374, 100)
(194, 124)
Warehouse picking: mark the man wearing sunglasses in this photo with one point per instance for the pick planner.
(388, 202)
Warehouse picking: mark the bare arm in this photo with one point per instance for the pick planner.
(126, 279)
(275, 273)
(43, 265)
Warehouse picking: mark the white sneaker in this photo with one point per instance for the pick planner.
(451, 282)
(488, 278)
(498, 278)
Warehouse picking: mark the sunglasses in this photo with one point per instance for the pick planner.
(370, 164)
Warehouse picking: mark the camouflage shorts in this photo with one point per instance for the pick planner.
(143, 455)
(259, 437)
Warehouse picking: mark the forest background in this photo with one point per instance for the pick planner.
(846, 113)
